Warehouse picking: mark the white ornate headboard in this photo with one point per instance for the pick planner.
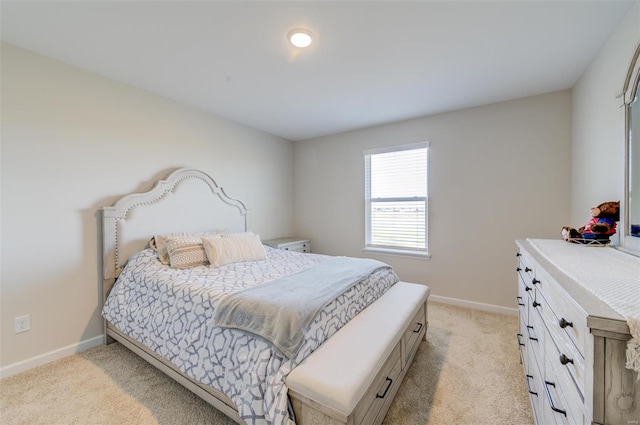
(186, 201)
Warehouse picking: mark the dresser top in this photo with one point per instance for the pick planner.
(583, 272)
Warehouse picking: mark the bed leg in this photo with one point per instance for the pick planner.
(107, 338)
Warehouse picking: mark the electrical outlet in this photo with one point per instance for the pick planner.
(22, 324)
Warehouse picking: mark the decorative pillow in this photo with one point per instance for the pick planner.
(186, 252)
(159, 245)
(229, 249)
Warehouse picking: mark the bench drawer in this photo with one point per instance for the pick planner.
(384, 387)
(413, 335)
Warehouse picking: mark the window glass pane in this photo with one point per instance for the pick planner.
(399, 174)
(398, 224)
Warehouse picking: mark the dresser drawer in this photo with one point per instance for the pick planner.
(570, 320)
(413, 335)
(522, 344)
(525, 289)
(525, 263)
(561, 391)
(561, 350)
(527, 275)
(534, 339)
(534, 383)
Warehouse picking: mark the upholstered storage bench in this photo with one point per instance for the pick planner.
(334, 387)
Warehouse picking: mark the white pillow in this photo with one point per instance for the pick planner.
(233, 249)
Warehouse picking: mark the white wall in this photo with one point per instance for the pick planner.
(73, 142)
(497, 173)
(598, 122)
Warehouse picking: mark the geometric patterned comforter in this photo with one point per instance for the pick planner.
(171, 312)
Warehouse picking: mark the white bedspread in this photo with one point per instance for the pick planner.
(609, 274)
(171, 312)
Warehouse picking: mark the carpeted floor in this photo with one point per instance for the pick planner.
(467, 372)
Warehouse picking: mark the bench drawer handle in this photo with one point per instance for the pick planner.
(384, 394)
(418, 328)
(519, 301)
(518, 337)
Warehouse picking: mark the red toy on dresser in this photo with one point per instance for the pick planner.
(600, 228)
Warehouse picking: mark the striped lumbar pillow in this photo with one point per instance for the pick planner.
(185, 252)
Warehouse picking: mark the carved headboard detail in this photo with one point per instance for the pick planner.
(187, 200)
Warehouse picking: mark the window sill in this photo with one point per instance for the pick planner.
(398, 253)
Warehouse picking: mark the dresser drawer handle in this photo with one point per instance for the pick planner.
(563, 323)
(519, 301)
(384, 394)
(536, 304)
(527, 269)
(518, 269)
(535, 281)
(553, 406)
(518, 337)
(529, 387)
(518, 254)
(527, 288)
(530, 337)
(418, 327)
(564, 359)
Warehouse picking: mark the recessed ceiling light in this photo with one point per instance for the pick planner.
(300, 37)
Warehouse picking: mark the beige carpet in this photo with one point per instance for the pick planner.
(467, 372)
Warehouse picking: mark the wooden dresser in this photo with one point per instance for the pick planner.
(572, 347)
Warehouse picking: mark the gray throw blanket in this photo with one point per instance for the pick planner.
(280, 311)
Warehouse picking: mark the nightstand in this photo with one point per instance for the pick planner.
(290, 244)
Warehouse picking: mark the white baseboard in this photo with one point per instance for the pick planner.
(475, 305)
(45, 358)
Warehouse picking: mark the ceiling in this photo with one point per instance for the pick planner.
(372, 62)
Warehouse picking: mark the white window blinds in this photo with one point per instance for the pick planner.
(396, 198)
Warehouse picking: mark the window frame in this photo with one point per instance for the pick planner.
(394, 250)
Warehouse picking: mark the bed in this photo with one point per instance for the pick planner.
(319, 373)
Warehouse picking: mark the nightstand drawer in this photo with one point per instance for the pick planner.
(298, 247)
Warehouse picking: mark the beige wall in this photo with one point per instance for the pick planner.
(73, 142)
(497, 173)
(598, 122)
